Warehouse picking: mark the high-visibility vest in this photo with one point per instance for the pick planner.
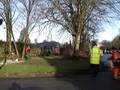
(95, 55)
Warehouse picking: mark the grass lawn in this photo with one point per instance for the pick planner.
(51, 64)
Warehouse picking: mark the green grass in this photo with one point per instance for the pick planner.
(46, 64)
(26, 69)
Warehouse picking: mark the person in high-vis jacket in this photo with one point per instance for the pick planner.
(95, 57)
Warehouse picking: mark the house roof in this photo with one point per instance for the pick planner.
(49, 44)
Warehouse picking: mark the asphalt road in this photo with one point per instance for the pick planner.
(103, 81)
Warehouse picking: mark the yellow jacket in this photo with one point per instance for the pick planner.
(95, 55)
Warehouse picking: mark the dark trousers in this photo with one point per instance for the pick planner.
(94, 69)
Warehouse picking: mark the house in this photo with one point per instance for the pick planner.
(66, 50)
(50, 47)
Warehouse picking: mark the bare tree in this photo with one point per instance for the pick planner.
(6, 14)
(29, 10)
(116, 41)
(76, 16)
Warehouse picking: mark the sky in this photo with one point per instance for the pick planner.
(54, 35)
(108, 33)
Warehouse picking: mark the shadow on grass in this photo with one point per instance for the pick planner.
(77, 73)
(68, 66)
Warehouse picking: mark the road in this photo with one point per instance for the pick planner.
(103, 81)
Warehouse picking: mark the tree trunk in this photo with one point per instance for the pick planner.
(16, 49)
(24, 46)
(23, 52)
(11, 34)
(76, 45)
(8, 39)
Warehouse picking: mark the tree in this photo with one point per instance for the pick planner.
(116, 41)
(29, 10)
(6, 14)
(76, 16)
(22, 37)
(106, 44)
